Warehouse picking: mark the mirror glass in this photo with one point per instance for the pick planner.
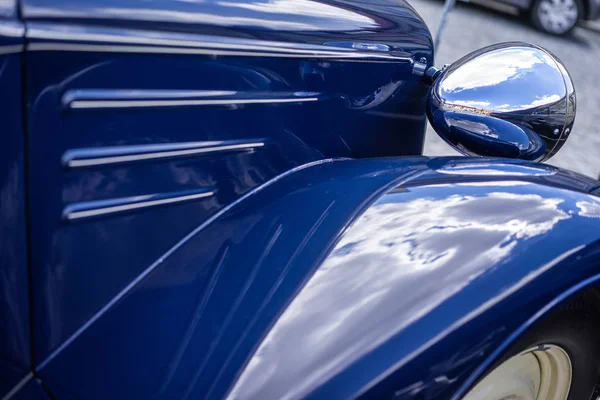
(508, 100)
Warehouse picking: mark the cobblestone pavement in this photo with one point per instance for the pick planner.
(471, 26)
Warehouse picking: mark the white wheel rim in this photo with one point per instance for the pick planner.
(540, 373)
(558, 16)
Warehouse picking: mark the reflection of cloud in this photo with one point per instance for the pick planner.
(302, 7)
(475, 169)
(539, 101)
(378, 280)
(268, 14)
(589, 209)
(504, 80)
(198, 17)
(493, 68)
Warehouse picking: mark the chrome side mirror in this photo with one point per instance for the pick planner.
(511, 100)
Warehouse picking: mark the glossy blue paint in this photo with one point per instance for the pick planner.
(214, 265)
(8, 9)
(15, 356)
(151, 82)
(289, 16)
(443, 258)
(28, 388)
(368, 288)
(200, 231)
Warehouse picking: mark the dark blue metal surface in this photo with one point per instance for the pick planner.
(167, 99)
(15, 357)
(310, 303)
(28, 388)
(391, 20)
(8, 9)
(471, 249)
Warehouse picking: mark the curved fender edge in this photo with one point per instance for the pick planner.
(432, 282)
(185, 327)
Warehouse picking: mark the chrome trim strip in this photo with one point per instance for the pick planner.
(98, 156)
(176, 103)
(144, 41)
(136, 98)
(359, 57)
(17, 48)
(90, 209)
(18, 386)
(139, 94)
(12, 29)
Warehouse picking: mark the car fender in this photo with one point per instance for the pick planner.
(389, 277)
(431, 283)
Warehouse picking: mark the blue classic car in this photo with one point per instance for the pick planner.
(206, 199)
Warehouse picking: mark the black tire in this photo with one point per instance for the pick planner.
(535, 16)
(576, 329)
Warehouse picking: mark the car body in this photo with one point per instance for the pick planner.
(228, 199)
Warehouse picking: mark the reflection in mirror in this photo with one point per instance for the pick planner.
(511, 100)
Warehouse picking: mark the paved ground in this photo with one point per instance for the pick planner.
(471, 26)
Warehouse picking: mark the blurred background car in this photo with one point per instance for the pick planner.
(557, 17)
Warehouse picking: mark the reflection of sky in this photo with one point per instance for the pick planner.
(474, 126)
(377, 281)
(301, 7)
(493, 68)
(307, 15)
(590, 209)
(486, 105)
(505, 80)
(7, 8)
(498, 169)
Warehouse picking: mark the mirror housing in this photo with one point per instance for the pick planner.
(512, 100)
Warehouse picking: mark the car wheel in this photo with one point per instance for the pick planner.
(558, 360)
(557, 17)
